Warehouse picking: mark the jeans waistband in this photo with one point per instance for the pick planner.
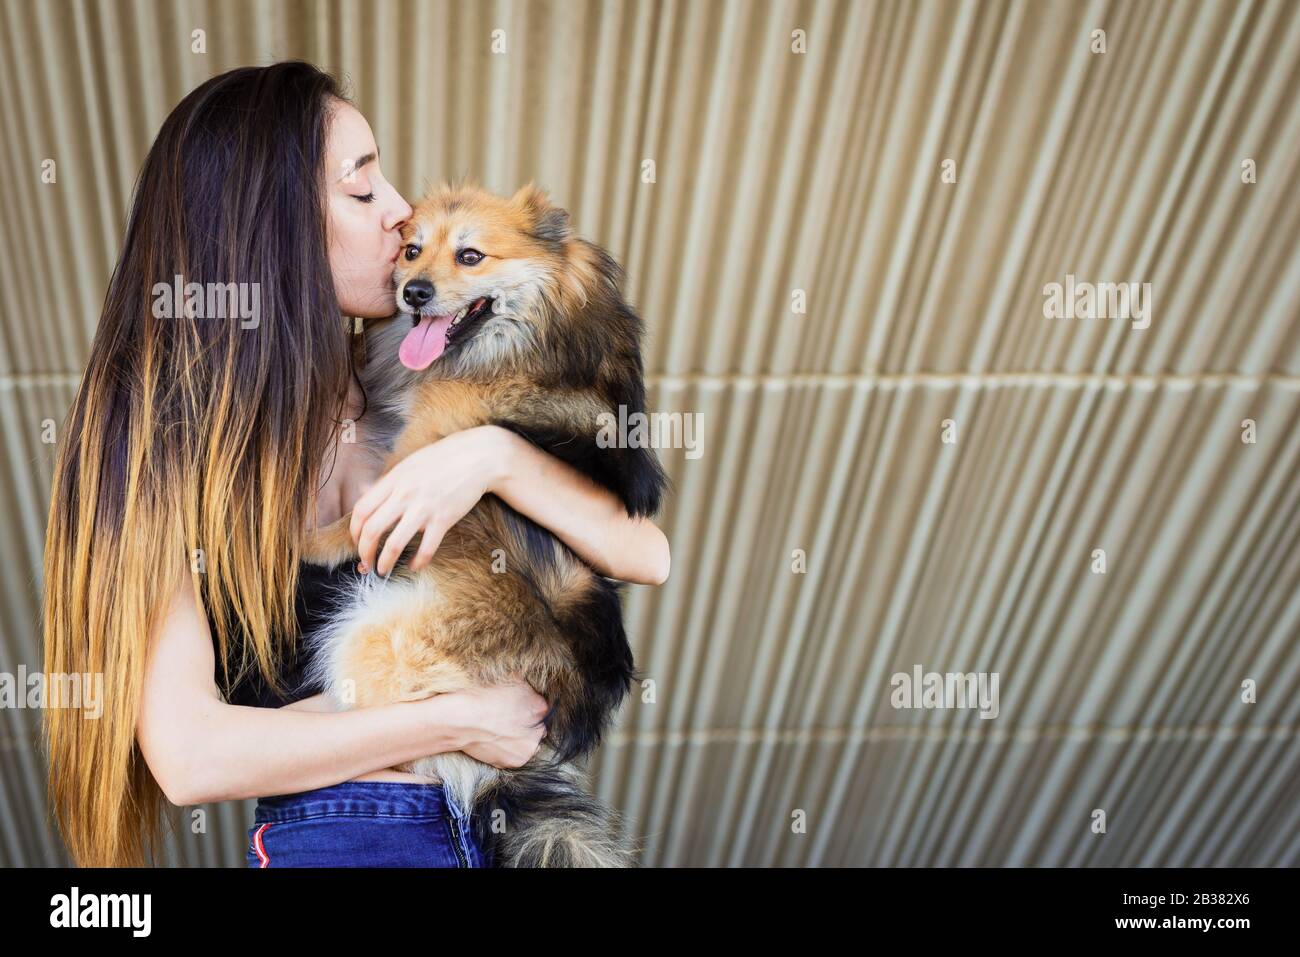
(358, 798)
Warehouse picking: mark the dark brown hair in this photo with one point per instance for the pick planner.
(191, 440)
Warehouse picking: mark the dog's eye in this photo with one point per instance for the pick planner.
(412, 252)
(469, 257)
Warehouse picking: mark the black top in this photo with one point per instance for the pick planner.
(319, 591)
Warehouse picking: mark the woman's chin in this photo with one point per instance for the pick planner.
(379, 307)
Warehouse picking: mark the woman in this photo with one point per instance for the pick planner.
(191, 465)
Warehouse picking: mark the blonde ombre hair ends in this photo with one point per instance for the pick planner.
(191, 454)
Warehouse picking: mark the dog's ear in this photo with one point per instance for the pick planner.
(553, 225)
(530, 197)
(550, 223)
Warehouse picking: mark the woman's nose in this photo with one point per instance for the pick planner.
(399, 213)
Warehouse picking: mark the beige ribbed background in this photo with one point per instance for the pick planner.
(821, 172)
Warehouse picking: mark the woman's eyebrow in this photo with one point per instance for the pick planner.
(350, 169)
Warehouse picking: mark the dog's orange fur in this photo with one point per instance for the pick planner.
(497, 600)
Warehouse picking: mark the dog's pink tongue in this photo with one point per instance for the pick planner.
(425, 342)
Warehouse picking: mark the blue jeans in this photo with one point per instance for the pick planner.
(364, 824)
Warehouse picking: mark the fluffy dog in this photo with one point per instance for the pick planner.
(507, 318)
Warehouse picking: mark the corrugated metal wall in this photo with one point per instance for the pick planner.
(823, 431)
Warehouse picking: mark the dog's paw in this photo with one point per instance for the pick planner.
(331, 545)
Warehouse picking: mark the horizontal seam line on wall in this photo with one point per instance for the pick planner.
(998, 736)
(982, 379)
(884, 379)
(905, 733)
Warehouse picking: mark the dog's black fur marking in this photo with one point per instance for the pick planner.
(633, 474)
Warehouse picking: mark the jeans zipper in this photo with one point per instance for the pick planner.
(461, 860)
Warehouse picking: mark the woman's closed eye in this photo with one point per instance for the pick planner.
(367, 198)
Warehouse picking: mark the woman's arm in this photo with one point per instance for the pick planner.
(434, 487)
(317, 702)
(588, 517)
(201, 749)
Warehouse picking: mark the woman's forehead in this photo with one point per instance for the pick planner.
(351, 142)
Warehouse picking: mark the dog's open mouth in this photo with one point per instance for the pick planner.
(431, 335)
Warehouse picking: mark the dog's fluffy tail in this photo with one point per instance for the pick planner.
(543, 816)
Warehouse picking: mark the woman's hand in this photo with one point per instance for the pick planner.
(434, 487)
(429, 491)
(502, 723)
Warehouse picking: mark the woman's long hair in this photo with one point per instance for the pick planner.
(194, 445)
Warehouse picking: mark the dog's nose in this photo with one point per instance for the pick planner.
(417, 292)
